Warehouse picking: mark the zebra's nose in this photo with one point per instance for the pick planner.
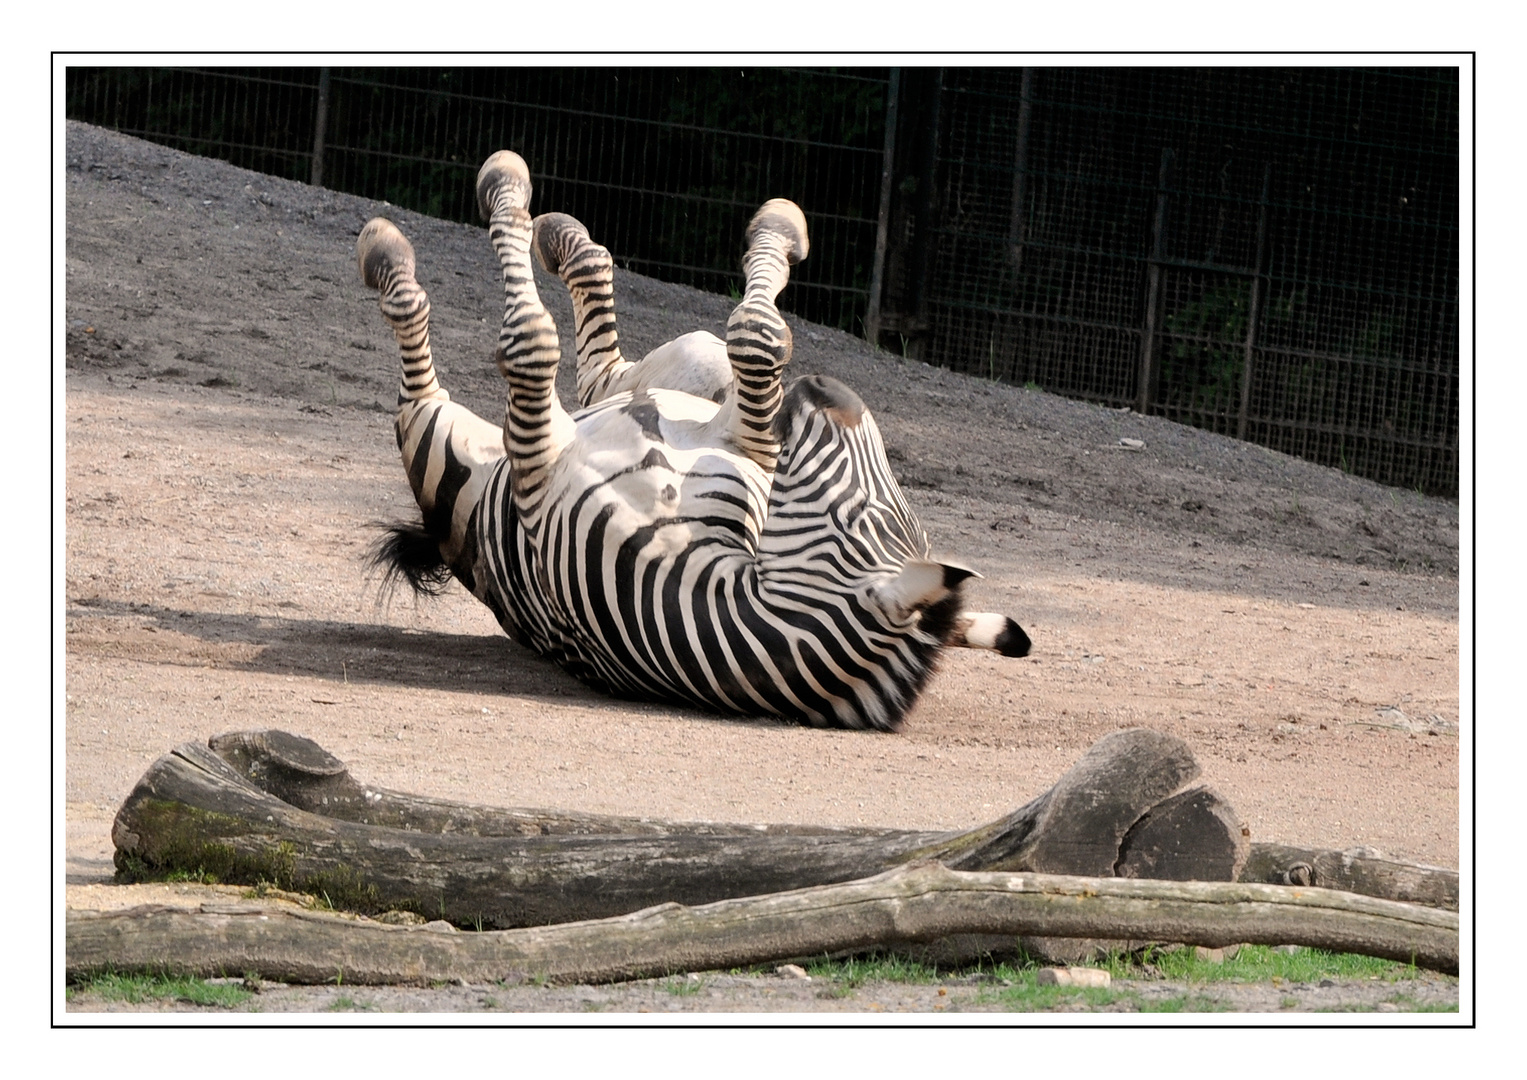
(1013, 641)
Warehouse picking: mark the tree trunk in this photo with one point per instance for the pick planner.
(268, 806)
(1358, 870)
(921, 902)
(300, 772)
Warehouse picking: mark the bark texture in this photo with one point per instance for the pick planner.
(917, 903)
(274, 807)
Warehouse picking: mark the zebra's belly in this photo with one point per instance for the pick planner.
(641, 510)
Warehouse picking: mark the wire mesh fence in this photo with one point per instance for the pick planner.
(665, 166)
(1268, 253)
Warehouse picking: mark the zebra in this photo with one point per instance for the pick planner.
(694, 533)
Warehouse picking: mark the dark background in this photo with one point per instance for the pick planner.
(1266, 252)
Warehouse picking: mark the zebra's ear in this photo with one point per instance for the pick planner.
(920, 584)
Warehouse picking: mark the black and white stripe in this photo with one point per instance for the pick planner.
(693, 533)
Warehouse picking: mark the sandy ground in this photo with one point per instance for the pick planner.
(229, 446)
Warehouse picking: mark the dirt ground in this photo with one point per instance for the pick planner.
(229, 446)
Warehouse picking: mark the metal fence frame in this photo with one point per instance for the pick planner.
(949, 214)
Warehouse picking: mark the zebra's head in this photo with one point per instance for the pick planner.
(840, 531)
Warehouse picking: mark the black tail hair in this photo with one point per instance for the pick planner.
(406, 552)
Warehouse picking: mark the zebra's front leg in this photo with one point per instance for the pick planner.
(537, 429)
(757, 339)
(448, 451)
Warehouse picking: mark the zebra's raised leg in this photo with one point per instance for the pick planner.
(536, 428)
(562, 245)
(758, 341)
(695, 363)
(448, 451)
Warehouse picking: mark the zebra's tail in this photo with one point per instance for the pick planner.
(406, 553)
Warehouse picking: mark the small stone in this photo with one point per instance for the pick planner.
(1287, 950)
(1070, 976)
(1209, 956)
(793, 971)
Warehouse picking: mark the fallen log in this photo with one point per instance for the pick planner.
(916, 903)
(1358, 870)
(271, 807)
(300, 772)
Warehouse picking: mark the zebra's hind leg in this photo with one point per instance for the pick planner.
(562, 245)
(448, 451)
(758, 341)
(537, 428)
(695, 363)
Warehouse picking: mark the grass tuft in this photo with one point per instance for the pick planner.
(855, 971)
(139, 988)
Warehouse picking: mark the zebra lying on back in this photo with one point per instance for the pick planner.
(693, 533)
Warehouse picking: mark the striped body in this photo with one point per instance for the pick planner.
(692, 533)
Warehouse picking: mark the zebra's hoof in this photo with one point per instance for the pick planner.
(381, 247)
(555, 238)
(505, 169)
(783, 217)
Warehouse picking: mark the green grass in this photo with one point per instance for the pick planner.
(346, 1003)
(1015, 986)
(1026, 995)
(1186, 1003)
(683, 986)
(198, 876)
(1407, 1003)
(1260, 963)
(856, 971)
(139, 988)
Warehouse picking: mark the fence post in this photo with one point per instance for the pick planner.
(1154, 271)
(883, 222)
(1017, 222)
(1255, 312)
(925, 214)
(320, 126)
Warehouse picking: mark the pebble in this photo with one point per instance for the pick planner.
(1069, 976)
(793, 971)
